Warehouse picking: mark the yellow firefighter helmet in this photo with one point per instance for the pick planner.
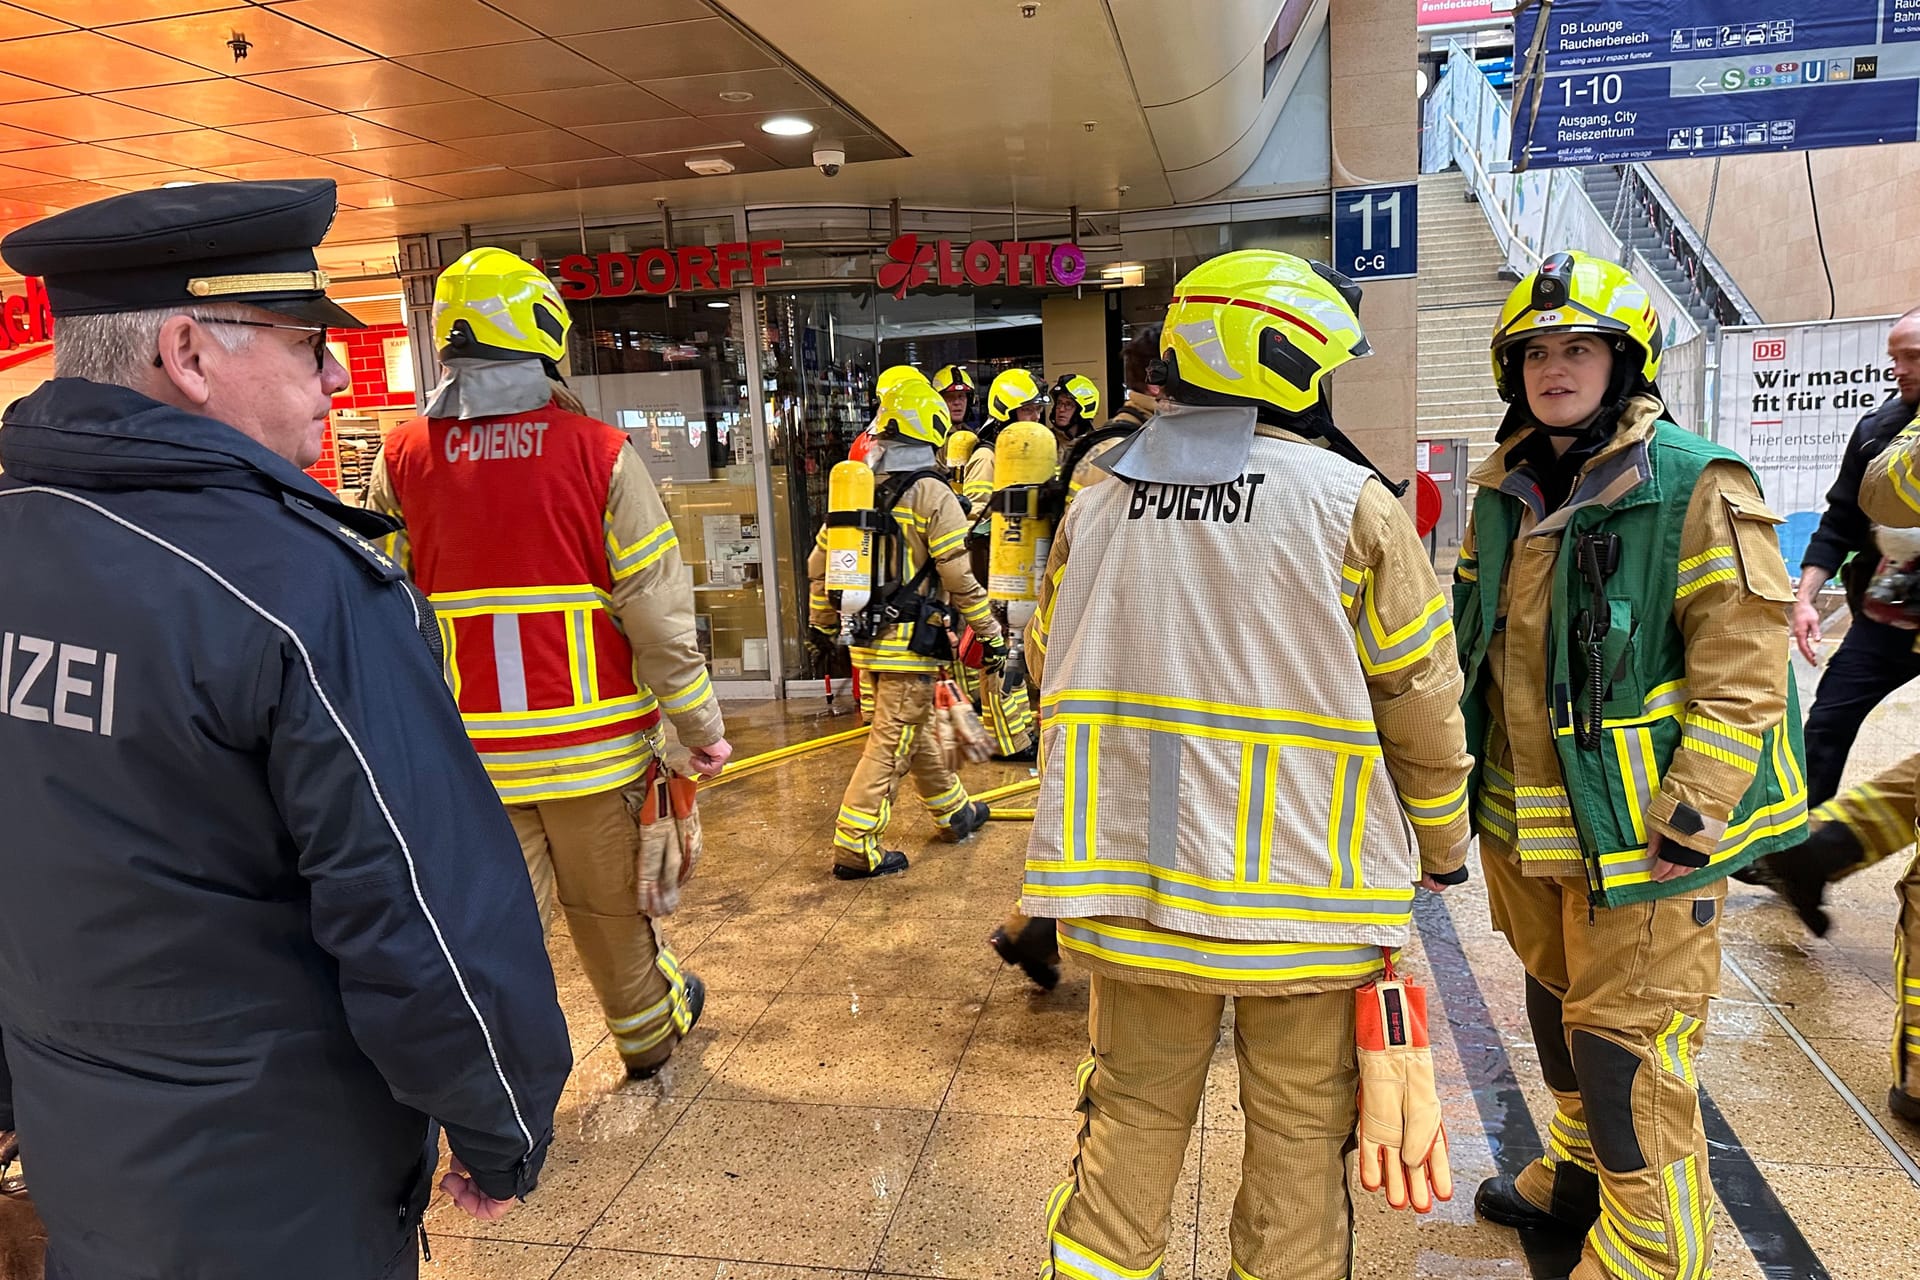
(913, 409)
(1575, 293)
(1010, 391)
(492, 305)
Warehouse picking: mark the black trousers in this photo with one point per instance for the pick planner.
(1872, 661)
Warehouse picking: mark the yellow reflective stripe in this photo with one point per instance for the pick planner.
(510, 762)
(1674, 1046)
(694, 695)
(1436, 811)
(449, 653)
(1194, 717)
(1689, 1210)
(1072, 1259)
(1616, 1255)
(631, 558)
(1715, 564)
(495, 600)
(1219, 958)
(947, 544)
(1272, 785)
(539, 723)
(561, 786)
(1382, 651)
(977, 613)
(1651, 1231)
(1900, 470)
(1068, 882)
(1466, 571)
(1352, 582)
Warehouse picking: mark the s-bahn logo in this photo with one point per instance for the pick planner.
(26, 324)
(912, 265)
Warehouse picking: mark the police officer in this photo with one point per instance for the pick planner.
(265, 925)
(922, 574)
(1620, 608)
(557, 580)
(1225, 803)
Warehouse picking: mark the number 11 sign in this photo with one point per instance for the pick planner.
(1375, 231)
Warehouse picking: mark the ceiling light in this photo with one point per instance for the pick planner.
(736, 95)
(720, 306)
(786, 127)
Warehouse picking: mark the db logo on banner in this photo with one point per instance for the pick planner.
(1769, 349)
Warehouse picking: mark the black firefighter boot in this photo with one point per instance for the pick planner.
(696, 1001)
(972, 816)
(1801, 874)
(1035, 949)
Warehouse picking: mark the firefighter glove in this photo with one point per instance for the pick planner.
(994, 648)
(821, 644)
(1403, 1145)
(670, 838)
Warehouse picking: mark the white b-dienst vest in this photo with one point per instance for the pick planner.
(1211, 760)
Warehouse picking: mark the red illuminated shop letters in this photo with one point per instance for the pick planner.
(25, 318)
(659, 271)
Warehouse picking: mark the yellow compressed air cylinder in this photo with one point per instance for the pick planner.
(960, 446)
(849, 547)
(1025, 456)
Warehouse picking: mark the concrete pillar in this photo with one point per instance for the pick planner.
(1074, 340)
(1375, 123)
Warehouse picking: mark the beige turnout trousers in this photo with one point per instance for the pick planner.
(585, 852)
(1618, 1005)
(1140, 1093)
(898, 745)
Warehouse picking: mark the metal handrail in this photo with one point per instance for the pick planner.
(1707, 263)
(1513, 236)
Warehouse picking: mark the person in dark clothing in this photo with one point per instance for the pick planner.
(265, 929)
(1873, 659)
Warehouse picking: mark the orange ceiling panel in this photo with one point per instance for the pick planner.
(396, 28)
(218, 103)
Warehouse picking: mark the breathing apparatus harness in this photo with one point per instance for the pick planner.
(892, 602)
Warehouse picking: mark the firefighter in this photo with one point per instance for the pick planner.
(921, 576)
(568, 619)
(1240, 804)
(1076, 401)
(1630, 570)
(955, 386)
(1877, 814)
(1014, 396)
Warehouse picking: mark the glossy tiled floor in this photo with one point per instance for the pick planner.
(869, 1093)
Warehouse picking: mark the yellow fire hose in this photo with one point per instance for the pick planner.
(1011, 789)
(737, 769)
(1011, 815)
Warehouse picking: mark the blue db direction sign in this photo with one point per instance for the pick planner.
(1627, 80)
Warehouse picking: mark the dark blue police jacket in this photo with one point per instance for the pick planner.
(262, 917)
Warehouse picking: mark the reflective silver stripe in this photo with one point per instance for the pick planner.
(1440, 620)
(514, 601)
(582, 652)
(482, 723)
(1109, 877)
(1080, 820)
(1434, 811)
(610, 747)
(1619, 1257)
(1349, 779)
(1683, 1194)
(366, 772)
(515, 790)
(1218, 953)
(509, 664)
(1270, 724)
(1083, 1264)
(654, 544)
(1258, 805)
(1674, 697)
(689, 696)
(1711, 565)
(1549, 805)
(1163, 798)
(1698, 733)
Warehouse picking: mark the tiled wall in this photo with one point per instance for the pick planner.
(367, 362)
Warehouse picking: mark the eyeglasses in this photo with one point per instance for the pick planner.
(319, 333)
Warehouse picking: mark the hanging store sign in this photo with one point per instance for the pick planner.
(913, 264)
(1445, 13)
(659, 271)
(26, 324)
(1628, 80)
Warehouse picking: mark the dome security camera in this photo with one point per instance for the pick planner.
(828, 157)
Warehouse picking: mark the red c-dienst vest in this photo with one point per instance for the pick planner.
(506, 518)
